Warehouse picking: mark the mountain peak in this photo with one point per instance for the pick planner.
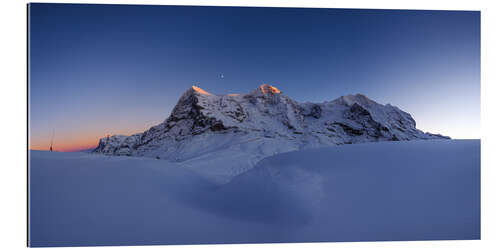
(265, 89)
(357, 98)
(199, 90)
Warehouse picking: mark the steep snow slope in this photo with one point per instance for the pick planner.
(244, 128)
(408, 190)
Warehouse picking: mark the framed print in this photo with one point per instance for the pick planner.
(160, 125)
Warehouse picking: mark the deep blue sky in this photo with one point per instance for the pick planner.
(98, 69)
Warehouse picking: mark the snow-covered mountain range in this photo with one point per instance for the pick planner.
(208, 129)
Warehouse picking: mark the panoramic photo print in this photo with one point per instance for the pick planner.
(158, 125)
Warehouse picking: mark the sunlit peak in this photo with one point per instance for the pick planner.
(265, 88)
(200, 90)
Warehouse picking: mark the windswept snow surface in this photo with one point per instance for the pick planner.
(411, 190)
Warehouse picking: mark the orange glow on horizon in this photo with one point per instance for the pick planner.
(68, 145)
(70, 148)
(70, 142)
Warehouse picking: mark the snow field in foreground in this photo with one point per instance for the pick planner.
(416, 190)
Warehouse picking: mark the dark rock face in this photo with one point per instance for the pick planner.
(315, 111)
(238, 114)
(364, 119)
(349, 130)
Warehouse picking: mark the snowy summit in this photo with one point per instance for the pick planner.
(204, 129)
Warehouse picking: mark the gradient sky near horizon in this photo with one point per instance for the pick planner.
(118, 69)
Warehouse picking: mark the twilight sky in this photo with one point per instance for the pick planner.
(117, 69)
